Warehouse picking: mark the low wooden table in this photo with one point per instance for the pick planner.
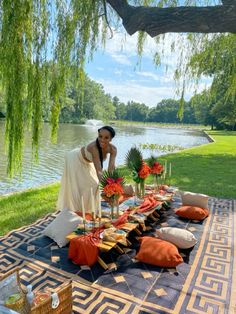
(106, 246)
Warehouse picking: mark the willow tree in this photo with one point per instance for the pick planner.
(218, 60)
(67, 32)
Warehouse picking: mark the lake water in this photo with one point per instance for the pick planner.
(51, 156)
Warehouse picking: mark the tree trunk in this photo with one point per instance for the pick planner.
(155, 21)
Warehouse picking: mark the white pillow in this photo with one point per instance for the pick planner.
(182, 238)
(194, 199)
(65, 223)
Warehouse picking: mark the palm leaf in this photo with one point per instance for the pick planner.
(133, 159)
(115, 174)
(105, 175)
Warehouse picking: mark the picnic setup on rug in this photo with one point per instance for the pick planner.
(147, 248)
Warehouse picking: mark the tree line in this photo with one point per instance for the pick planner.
(201, 109)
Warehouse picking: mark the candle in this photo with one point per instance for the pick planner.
(165, 170)
(92, 204)
(99, 206)
(170, 170)
(82, 207)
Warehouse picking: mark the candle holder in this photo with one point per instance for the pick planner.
(84, 223)
(112, 209)
(168, 179)
(156, 183)
(117, 207)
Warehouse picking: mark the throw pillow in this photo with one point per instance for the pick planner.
(194, 199)
(192, 212)
(158, 252)
(65, 223)
(182, 238)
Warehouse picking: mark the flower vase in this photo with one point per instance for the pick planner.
(116, 207)
(142, 188)
(112, 208)
(156, 185)
(137, 190)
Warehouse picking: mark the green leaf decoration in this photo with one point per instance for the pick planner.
(135, 176)
(115, 174)
(151, 161)
(133, 159)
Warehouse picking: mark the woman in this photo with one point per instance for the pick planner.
(83, 171)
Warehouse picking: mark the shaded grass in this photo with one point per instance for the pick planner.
(24, 208)
(208, 169)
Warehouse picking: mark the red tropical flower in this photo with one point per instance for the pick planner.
(113, 189)
(144, 171)
(157, 168)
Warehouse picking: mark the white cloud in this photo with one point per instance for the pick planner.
(118, 72)
(192, 89)
(100, 68)
(149, 75)
(132, 90)
(145, 83)
(156, 77)
(121, 58)
(122, 43)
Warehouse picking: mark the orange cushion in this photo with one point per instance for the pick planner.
(158, 252)
(192, 212)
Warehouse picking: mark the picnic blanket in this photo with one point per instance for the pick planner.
(204, 283)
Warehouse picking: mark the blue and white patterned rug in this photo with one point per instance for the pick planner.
(204, 283)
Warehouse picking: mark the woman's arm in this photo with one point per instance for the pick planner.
(96, 162)
(113, 152)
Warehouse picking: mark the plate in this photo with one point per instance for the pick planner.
(123, 207)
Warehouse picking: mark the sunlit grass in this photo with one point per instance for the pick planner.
(209, 169)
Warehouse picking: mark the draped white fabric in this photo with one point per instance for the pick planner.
(78, 178)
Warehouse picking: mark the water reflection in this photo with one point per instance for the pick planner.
(51, 156)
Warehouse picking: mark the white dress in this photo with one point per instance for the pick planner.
(78, 178)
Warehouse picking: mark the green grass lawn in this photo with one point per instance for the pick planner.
(208, 169)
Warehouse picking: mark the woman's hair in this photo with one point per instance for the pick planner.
(100, 152)
(112, 132)
(109, 129)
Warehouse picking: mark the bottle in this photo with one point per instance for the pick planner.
(30, 294)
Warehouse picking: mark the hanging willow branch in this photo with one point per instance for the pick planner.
(16, 21)
(33, 32)
(42, 38)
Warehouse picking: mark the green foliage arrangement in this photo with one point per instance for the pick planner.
(133, 161)
(163, 148)
(112, 176)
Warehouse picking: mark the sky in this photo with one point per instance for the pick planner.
(116, 68)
